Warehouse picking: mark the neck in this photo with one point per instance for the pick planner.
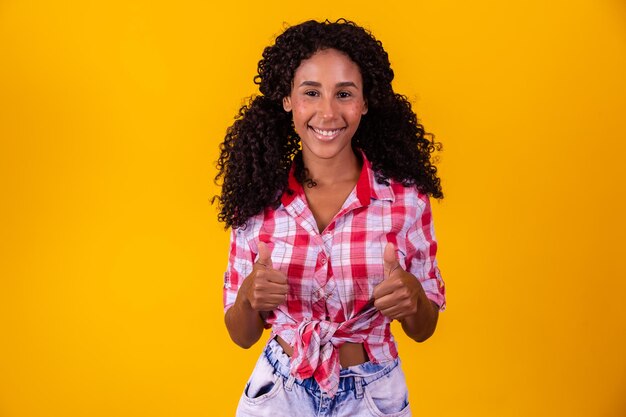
(332, 171)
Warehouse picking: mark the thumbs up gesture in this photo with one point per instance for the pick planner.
(400, 292)
(265, 288)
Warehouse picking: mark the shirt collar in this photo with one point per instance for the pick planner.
(366, 187)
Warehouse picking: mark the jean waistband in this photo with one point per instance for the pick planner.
(365, 373)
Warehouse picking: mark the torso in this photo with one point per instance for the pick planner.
(334, 261)
(325, 201)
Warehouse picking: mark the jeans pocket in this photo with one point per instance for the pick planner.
(264, 382)
(388, 396)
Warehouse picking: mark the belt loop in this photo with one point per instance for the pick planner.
(290, 382)
(358, 386)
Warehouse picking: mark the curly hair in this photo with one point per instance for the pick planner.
(261, 145)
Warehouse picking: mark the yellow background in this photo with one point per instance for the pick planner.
(111, 257)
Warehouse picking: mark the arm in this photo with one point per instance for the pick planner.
(263, 290)
(421, 325)
(244, 324)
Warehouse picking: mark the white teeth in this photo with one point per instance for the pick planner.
(326, 132)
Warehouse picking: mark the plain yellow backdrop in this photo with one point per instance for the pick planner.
(111, 257)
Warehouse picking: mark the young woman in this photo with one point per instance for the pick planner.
(326, 183)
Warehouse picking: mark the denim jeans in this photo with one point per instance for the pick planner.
(368, 389)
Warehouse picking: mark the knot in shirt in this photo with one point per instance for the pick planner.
(315, 344)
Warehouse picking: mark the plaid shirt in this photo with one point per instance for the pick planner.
(332, 274)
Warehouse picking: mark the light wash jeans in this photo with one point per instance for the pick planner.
(368, 389)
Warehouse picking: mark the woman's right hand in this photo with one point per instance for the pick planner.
(265, 288)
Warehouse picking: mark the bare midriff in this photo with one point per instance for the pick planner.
(350, 354)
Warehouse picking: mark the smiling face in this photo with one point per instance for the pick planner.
(327, 103)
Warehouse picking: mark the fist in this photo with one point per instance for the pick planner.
(265, 288)
(399, 293)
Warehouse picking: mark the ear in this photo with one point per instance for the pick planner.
(287, 104)
(364, 111)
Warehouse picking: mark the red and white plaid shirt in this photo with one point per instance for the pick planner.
(332, 274)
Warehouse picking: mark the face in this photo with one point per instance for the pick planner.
(327, 103)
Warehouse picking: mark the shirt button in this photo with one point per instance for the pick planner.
(323, 260)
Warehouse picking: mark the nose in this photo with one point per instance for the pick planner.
(326, 108)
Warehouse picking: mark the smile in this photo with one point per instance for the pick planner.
(326, 134)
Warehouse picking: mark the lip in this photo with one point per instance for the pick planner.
(326, 134)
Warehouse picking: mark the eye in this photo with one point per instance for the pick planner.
(344, 94)
(311, 93)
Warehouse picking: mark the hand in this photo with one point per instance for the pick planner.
(265, 288)
(400, 292)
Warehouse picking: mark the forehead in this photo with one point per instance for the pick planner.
(328, 65)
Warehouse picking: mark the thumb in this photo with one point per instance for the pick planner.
(265, 255)
(390, 261)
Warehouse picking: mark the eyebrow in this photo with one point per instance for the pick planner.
(316, 84)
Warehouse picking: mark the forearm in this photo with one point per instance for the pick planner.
(244, 324)
(421, 325)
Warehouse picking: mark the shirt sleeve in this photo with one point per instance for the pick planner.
(421, 258)
(240, 262)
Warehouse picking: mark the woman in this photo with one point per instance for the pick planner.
(326, 184)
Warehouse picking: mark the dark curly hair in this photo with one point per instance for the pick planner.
(259, 148)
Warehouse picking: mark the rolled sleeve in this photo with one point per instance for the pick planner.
(239, 265)
(421, 257)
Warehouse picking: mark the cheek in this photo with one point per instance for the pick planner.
(355, 113)
(300, 114)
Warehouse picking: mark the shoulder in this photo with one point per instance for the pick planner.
(250, 228)
(409, 196)
(258, 225)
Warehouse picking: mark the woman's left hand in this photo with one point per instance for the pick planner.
(400, 293)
